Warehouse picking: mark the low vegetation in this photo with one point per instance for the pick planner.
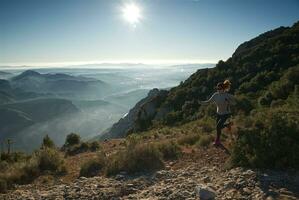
(170, 150)
(73, 145)
(189, 139)
(21, 168)
(271, 142)
(205, 140)
(47, 142)
(138, 156)
(93, 167)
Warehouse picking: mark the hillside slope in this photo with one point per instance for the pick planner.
(127, 124)
(197, 166)
(266, 66)
(16, 117)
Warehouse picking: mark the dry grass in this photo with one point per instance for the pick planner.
(189, 139)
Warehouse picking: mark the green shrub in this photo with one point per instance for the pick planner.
(5, 156)
(94, 146)
(272, 143)
(81, 148)
(204, 140)
(142, 157)
(3, 186)
(72, 139)
(20, 172)
(207, 124)
(27, 173)
(49, 159)
(93, 167)
(13, 157)
(132, 140)
(170, 150)
(189, 139)
(115, 163)
(173, 117)
(266, 99)
(26, 168)
(243, 103)
(47, 142)
(3, 165)
(277, 103)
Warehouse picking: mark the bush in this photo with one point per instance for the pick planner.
(277, 103)
(72, 139)
(266, 99)
(207, 124)
(49, 159)
(48, 142)
(93, 167)
(204, 140)
(170, 150)
(94, 146)
(188, 139)
(27, 173)
(13, 157)
(81, 148)
(243, 104)
(173, 117)
(27, 168)
(272, 143)
(4, 165)
(142, 157)
(3, 186)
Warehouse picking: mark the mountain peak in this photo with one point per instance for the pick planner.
(30, 72)
(26, 74)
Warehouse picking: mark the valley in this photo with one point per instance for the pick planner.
(58, 101)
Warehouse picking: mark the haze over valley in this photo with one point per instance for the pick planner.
(86, 100)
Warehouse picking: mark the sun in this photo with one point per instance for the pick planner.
(132, 13)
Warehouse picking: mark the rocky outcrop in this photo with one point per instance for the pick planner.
(139, 117)
(205, 193)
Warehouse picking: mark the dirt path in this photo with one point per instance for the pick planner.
(197, 167)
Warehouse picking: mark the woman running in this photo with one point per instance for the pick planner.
(223, 100)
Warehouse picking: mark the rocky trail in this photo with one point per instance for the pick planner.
(199, 172)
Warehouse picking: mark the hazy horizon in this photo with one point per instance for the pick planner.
(95, 65)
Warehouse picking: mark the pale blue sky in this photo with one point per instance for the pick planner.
(182, 31)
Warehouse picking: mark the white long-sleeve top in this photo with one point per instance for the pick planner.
(223, 100)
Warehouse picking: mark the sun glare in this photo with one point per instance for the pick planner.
(132, 13)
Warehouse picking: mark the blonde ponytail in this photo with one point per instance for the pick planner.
(226, 85)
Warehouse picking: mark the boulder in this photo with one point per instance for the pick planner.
(205, 192)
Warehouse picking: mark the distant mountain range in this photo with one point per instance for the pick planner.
(62, 85)
(32, 98)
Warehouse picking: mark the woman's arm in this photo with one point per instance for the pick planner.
(207, 101)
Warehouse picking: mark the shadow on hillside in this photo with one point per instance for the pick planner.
(274, 183)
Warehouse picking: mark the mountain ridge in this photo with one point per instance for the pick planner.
(269, 54)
